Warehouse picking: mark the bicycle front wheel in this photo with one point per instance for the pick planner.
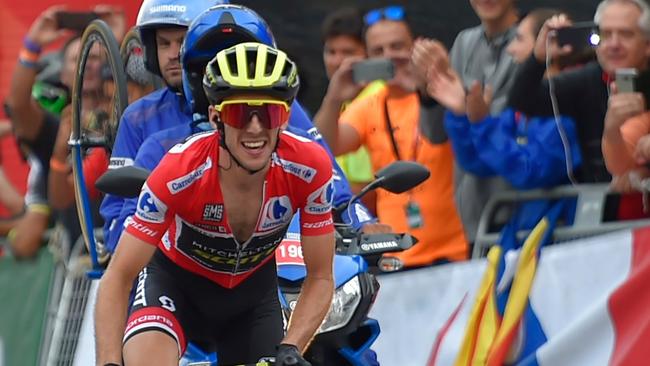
(99, 96)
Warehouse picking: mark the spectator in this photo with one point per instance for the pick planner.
(479, 55)
(583, 93)
(527, 152)
(60, 186)
(627, 127)
(389, 124)
(626, 142)
(36, 124)
(342, 33)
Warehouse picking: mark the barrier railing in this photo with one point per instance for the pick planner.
(588, 221)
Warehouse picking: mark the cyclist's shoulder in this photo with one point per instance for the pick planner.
(300, 149)
(188, 163)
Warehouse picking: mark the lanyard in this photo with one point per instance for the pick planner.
(389, 128)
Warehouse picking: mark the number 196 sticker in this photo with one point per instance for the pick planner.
(289, 252)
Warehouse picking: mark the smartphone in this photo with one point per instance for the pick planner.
(373, 69)
(642, 85)
(626, 80)
(580, 35)
(75, 20)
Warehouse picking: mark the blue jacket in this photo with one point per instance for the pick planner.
(152, 125)
(527, 152)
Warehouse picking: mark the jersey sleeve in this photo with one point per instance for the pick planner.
(155, 206)
(317, 196)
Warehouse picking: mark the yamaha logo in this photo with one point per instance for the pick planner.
(379, 245)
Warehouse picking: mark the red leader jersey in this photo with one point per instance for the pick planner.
(181, 209)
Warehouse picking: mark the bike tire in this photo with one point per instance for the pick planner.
(96, 31)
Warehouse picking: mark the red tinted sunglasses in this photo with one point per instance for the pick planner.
(237, 113)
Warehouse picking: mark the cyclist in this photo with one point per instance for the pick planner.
(215, 29)
(216, 208)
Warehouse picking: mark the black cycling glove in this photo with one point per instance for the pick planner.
(288, 355)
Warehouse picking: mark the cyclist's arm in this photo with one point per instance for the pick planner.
(317, 233)
(113, 295)
(136, 246)
(317, 290)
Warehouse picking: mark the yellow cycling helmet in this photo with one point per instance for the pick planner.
(251, 68)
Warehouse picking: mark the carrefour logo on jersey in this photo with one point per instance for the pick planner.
(150, 208)
(277, 212)
(185, 181)
(320, 201)
(299, 170)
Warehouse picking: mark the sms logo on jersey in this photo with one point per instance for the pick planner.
(277, 212)
(150, 208)
(320, 201)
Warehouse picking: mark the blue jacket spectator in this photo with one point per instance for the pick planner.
(527, 152)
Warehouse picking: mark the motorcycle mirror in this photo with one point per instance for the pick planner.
(401, 176)
(398, 177)
(124, 182)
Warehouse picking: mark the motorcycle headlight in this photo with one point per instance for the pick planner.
(344, 303)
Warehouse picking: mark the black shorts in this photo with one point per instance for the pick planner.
(242, 325)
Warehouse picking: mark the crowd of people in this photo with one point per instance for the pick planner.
(507, 107)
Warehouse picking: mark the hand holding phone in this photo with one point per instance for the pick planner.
(579, 36)
(626, 80)
(75, 20)
(373, 69)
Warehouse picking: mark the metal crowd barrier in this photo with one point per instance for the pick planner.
(588, 219)
(67, 310)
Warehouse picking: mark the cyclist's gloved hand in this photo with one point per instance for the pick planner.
(288, 355)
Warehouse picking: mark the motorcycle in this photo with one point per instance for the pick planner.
(347, 333)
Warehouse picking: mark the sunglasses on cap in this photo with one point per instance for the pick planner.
(394, 12)
(237, 113)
